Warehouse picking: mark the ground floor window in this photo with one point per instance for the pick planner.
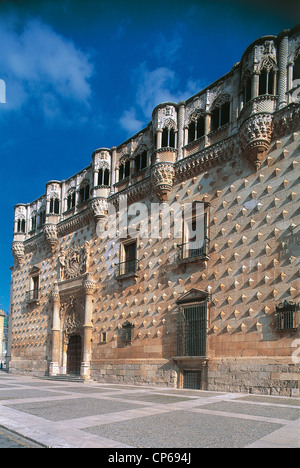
(192, 330)
(192, 379)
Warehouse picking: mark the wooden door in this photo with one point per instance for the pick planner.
(74, 355)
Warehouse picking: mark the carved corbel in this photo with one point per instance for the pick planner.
(18, 251)
(163, 175)
(255, 134)
(100, 208)
(51, 235)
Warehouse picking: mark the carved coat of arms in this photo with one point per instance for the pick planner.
(73, 263)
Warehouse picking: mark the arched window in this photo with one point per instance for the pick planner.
(103, 177)
(168, 138)
(141, 161)
(220, 116)
(266, 82)
(296, 69)
(33, 222)
(71, 201)
(42, 217)
(196, 129)
(84, 193)
(21, 225)
(54, 206)
(124, 170)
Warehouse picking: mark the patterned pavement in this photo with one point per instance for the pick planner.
(93, 415)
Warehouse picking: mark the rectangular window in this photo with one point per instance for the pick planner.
(192, 330)
(195, 232)
(128, 258)
(286, 316)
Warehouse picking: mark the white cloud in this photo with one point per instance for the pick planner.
(154, 87)
(42, 69)
(129, 121)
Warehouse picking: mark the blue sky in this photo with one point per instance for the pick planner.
(86, 74)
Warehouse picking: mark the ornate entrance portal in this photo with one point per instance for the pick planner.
(74, 354)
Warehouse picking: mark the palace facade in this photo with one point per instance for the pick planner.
(173, 258)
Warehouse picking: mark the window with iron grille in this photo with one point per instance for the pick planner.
(192, 330)
(127, 329)
(286, 316)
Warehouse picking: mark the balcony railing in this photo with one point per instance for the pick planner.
(127, 268)
(194, 250)
(33, 295)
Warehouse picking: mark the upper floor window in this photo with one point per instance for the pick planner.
(103, 177)
(84, 193)
(71, 200)
(196, 129)
(195, 240)
(220, 116)
(141, 161)
(42, 217)
(54, 206)
(21, 225)
(34, 223)
(124, 170)
(168, 138)
(128, 258)
(267, 82)
(296, 69)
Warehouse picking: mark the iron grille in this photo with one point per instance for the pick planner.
(33, 295)
(192, 379)
(286, 316)
(126, 268)
(194, 249)
(191, 333)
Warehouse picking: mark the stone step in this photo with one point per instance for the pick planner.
(65, 378)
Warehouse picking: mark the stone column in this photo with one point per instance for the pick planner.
(180, 141)
(89, 288)
(159, 138)
(54, 365)
(255, 84)
(207, 126)
(113, 168)
(282, 69)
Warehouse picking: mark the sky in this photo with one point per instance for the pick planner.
(85, 74)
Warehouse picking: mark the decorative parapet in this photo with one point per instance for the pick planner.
(287, 119)
(211, 156)
(163, 175)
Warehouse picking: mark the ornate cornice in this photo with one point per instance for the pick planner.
(207, 158)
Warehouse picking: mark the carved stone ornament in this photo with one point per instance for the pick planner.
(100, 207)
(51, 235)
(89, 286)
(70, 312)
(163, 175)
(255, 136)
(73, 263)
(18, 251)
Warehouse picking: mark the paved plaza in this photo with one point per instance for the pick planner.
(93, 415)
